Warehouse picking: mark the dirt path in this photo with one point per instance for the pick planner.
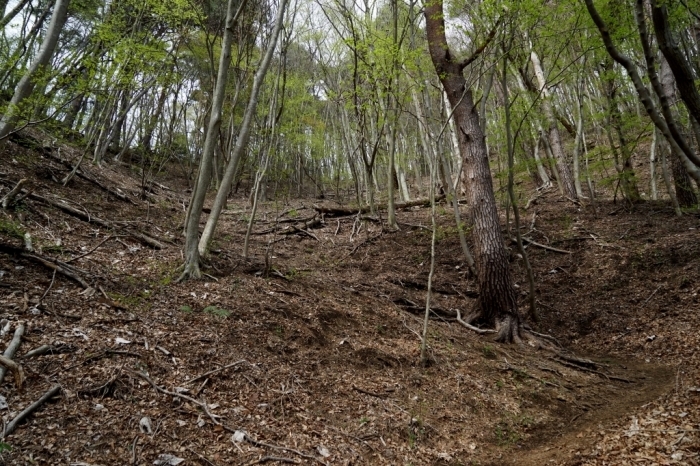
(564, 442)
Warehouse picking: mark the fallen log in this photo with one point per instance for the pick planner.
(144, 238)
(347, 211)
(57, 266)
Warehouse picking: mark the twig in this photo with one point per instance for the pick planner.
(276, 447)
(367, 392)
(651, 296)
(217, 370)
(202, 457)
(179, 395)
(91, 250)
(133, 449)
(279, 459)
(30, 409)
(53, 279)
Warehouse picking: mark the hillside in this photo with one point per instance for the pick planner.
(307, 352)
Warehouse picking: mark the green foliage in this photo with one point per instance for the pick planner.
(5, 447)
(186, 309)
(217, 311)
(11, 228)
(488, 351)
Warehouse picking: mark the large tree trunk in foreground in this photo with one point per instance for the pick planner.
(497, 297)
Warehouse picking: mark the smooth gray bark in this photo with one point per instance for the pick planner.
(243, 135)
(192, 255)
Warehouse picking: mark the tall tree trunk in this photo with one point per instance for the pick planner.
(497, 297)
(676, 59)
(192, 255)
(26, 84)
(565, 176)
(684, 188)
(243, 135)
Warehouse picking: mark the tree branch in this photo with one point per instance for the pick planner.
(475, 54)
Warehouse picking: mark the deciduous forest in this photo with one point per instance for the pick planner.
(349, 232)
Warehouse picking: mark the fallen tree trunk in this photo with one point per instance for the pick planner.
(144, 238)
(346, 211)
(53, 264)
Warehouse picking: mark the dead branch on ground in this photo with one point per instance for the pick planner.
(30, 409)
(53, 264)
(84, 175)
(144, 238)
(9, 198)
(200, 377)
(348, 211)
(10, 353)
(543, 246)
(15, 368)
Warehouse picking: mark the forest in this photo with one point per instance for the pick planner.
(350, 232)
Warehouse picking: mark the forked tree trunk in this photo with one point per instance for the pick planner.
(243, 135)
(192, 255)
(497, 297)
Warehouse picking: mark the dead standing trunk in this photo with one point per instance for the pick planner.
(497, 297)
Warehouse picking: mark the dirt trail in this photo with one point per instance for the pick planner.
(562, 442)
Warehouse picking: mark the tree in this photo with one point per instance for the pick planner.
(497, 298)
(26, 84)
(191, 266)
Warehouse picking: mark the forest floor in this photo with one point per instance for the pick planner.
(307, 352)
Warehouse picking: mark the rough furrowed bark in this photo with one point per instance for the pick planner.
(498, 301)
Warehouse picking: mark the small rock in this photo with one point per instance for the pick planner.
(238, 436)
(323, 451)
(145, 425)
(166, 459)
